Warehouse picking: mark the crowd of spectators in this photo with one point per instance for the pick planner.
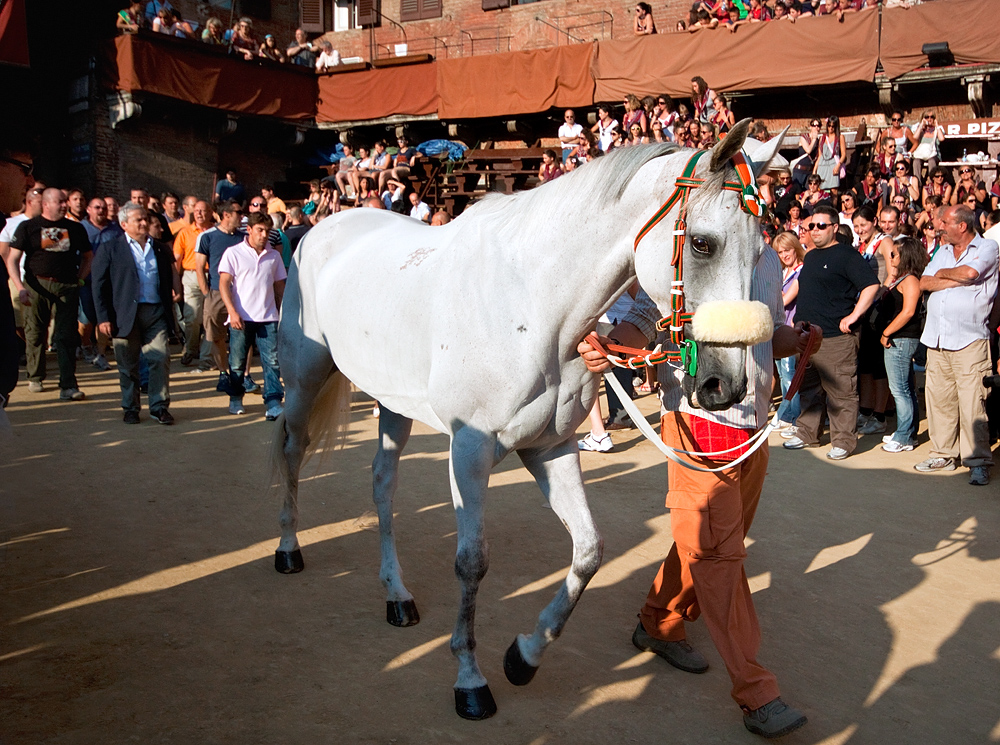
(240, 39)
(732, 14)
(877, 221)
(73, 263)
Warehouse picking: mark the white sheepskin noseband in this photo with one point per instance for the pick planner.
(732, 322)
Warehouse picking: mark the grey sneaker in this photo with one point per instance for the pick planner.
(680, 654)
(773, 719)
(836, 453)
(236, 407)
(935, 464)
(863, 419)
(979, 475)
(71, 394)
(596, 444)
(274, 410)
(101, 362)
(794, 443)
(35, 386)
(872, 427)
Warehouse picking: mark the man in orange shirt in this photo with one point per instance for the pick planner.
(185, 243)
(185, 219)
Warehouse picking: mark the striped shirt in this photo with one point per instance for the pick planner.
(751, 413)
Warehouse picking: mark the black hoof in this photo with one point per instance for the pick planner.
(288, 562)
(475, 703)
(517, 670)
(401, 613)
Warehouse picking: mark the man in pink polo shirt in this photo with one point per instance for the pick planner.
(251, 281)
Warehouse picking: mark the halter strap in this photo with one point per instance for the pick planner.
(750, 202)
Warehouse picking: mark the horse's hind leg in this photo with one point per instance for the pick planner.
(557, 472)
(303, 382)
(471, 459)
(394, 431)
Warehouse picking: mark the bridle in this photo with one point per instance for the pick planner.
(687, 349)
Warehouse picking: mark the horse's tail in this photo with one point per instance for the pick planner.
(329, 418)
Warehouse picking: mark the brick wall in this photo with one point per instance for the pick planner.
(515, 26)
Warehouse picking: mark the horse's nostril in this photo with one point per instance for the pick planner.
(712, 385)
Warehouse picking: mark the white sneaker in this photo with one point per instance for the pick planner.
(274, 410)
(888, 438)
(794, 443)
(892, 446)
(236, 407)
(595, 444)
(836, 453)
(872, 427)
(788, 434)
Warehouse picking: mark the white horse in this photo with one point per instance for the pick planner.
(473, 327)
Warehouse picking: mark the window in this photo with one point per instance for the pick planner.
(369, 13)
(415, 10)
(495, 4)
(311, 16)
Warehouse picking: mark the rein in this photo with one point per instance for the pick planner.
(674, 454)
(687, 349)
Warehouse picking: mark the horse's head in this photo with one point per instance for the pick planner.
(722, 243)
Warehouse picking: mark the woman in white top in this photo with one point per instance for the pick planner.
(927, 150)
(604, 128)
(901, 134)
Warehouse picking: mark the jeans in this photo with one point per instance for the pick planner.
(266, 335)
(789, 410)
(902, 385)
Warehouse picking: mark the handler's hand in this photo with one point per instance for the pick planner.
(105, 328)
(845, 324)
(595, 361)
(24, 297)
(802, 330)
(235, 322)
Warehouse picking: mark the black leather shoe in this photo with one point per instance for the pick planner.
(680, 654)
(131, 417)
(162, 416)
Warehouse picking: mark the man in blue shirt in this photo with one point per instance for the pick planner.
(135, 286)
(229, 189)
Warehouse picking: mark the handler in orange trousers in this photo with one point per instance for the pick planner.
(703, 575)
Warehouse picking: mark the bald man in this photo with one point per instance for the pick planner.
(58, 258)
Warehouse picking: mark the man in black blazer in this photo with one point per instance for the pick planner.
(135, 285)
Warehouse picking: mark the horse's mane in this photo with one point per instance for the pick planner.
(596, 183)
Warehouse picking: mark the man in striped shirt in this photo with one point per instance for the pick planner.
(710, 514)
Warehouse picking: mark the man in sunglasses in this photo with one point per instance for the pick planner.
(836, 287)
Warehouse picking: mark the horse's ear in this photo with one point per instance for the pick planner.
(765, 156)
(730, 144)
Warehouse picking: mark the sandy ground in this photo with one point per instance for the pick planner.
(140, 603)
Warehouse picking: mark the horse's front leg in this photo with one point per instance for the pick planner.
(394, 431)
(472, 455)
(557, 472)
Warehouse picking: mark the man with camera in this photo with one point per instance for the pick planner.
(962, 282)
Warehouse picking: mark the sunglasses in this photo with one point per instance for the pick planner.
(901, 169)
(814, 124)
(256, 204)
(819, 225)
(966, 170)
(896, 121)
(28, 168)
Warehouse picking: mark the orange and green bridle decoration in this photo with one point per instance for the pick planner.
(751, 203)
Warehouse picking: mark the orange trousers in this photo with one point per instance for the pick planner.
(710, 514)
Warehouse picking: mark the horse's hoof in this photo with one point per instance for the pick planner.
(288, 562)
(475, 703)
(517, 670)
(401, 613)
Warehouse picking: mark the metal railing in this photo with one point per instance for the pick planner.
(490, 41)
(602, 19)
(433, 45)
(372, 45)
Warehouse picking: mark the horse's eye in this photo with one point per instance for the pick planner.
(701, 245)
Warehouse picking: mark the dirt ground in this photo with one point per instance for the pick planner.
(140, 603)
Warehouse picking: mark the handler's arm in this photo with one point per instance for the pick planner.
(226, 288)
(624, 333)
(791, 340)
